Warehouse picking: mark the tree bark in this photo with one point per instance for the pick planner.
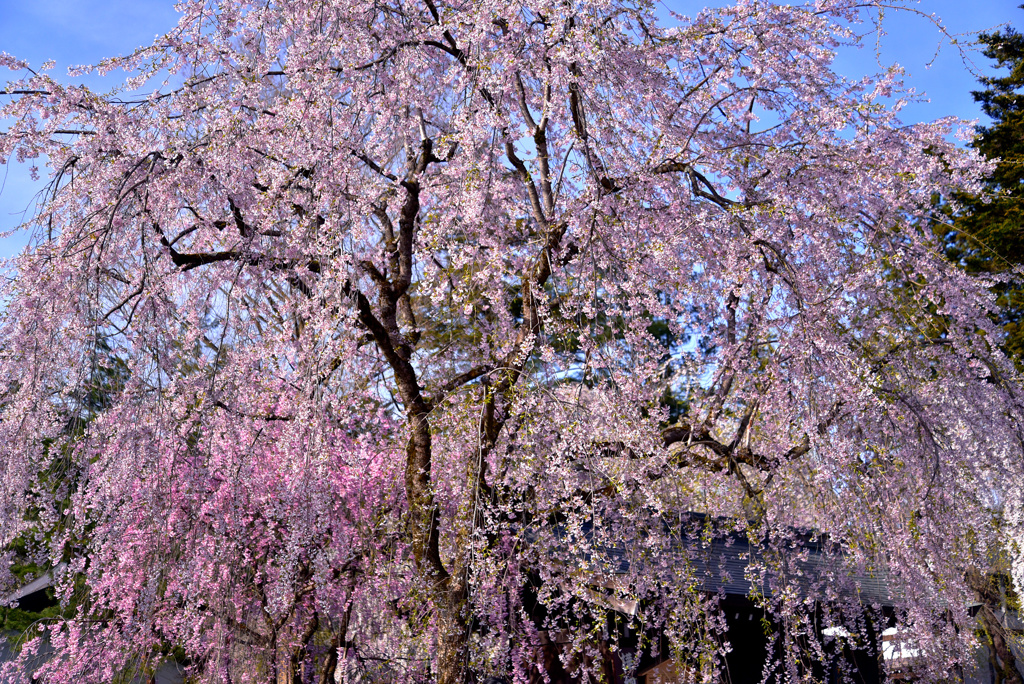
(1004, 665)
(340, 640)
(453, 634)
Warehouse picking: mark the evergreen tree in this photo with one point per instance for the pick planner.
(987, 235)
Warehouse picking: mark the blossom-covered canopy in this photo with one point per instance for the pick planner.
(354, 334)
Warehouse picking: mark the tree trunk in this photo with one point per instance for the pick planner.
(340, 640)
(1003, 662)
(448, 588)
(453, 634)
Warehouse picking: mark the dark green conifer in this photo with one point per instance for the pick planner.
(987, 234)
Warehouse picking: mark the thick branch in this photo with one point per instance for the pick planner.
(727, 456)
(460, 380)
(406, 236)
(524, 176)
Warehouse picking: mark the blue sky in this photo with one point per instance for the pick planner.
(73, 32)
